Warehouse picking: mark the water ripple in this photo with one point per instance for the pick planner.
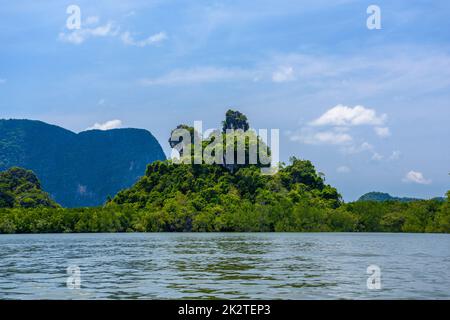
(225, 266)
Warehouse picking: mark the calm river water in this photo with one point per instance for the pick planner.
(224, 265)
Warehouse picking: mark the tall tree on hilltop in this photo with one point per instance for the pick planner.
(235, 120)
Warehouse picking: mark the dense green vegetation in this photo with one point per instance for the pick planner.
(20, 188)
(78, 169)
(234, 147)
(178, 214)
(216, 198)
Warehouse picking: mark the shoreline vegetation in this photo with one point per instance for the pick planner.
(426, 216)
(205, 197)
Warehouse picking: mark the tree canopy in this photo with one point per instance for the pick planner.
(235, 120)
(21, 188)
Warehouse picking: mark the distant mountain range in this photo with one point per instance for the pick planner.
(380, 196)
(78, 169)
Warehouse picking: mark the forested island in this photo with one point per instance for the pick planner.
(190, 197)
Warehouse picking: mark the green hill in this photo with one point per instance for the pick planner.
(185, 197)
(78, 169)
(202, 197)
(381, 197)
(20, 188)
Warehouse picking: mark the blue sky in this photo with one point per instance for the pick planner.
(370, 108)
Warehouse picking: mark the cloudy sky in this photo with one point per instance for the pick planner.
(370, 108)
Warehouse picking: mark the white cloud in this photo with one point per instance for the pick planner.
(395, 155)
(2, 81)
(354, 149)
(416, 177)
(151, 40)
(342, 119)
(197, 75)
(360, 76)
(363, 147)
(382, 132)
(74, 37)
(342, 115)
(377, 157)
(81, 35)
(323, 137)
(101, 102)
(399, 71)
(108, 125)
(343, 169)
(89, 29)
(92, 20)
(283, 74)
(367, 147)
